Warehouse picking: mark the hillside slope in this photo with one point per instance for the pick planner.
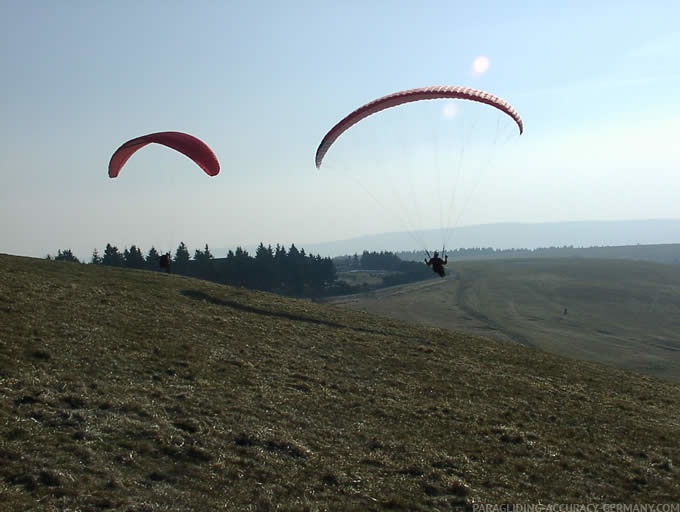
(622, 313)
(138, 391)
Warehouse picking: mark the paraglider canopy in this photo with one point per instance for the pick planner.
(408, 96)
(422, 162)
(188, 145)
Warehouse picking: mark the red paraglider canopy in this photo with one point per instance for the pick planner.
(186, 144)
(408, 96)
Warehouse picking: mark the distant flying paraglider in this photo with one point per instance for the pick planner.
(398, 98)
(408, 96)
(188, 145)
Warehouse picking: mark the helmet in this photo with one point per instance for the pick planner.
(436, 254)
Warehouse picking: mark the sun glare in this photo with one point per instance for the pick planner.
(480, 64)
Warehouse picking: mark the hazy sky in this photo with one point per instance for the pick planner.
(596, 83)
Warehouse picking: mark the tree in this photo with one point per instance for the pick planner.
(66, 255)
(280, 268)
(296, 270)
(265, 277)
(239, 268)
(96, 258)
(152, 259)
(133, 258)
(355, 261)
(328, 273)
(383, 260)
(112, 256)
(204, 265)
(181, 260)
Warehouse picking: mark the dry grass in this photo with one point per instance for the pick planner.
(621, 313)
(137, 391)
(361, 277)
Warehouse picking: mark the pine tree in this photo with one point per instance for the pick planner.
(96, 258)
(203, 264)
(134, 258)
(296, 263)
(152, 259)
(66, 255)
(112, 256)
(265, 277)
(181, 260)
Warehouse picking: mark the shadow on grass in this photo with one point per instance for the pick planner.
(198, 295)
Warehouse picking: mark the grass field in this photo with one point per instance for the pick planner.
(136, 391)
(623, 313)
(358, 278)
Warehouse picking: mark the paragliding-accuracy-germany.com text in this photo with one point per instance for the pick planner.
(576, 507)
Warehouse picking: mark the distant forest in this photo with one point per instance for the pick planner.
(285, 271)
(293, 272)
(659, 253)
(280, 270)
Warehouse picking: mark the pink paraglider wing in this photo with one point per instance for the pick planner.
(186, 144)
(408, 96)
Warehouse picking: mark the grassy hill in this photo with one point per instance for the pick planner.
(138, 391)
(623, 313)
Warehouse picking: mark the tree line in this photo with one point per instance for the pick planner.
(660, 253)
(394, 270)
(373, 260)
(277, 269)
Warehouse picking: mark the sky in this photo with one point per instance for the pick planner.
(597, 85)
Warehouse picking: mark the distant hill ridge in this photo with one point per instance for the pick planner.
(514, 235)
